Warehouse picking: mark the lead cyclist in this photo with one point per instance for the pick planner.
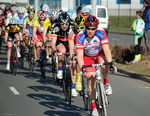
(93, 43)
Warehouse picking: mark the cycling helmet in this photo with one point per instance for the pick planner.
(42, 16)
(2, 6)
(12, 21)
(54, 14)
(21, 9)
(64, 18)
(14, 7)
(7, 8)
(45, 7)
(1, 12)
(85, 10)
(64, 9)
(31, 10)
(91, 21)
(79, 21)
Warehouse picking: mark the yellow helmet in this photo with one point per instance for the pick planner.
(79, 21)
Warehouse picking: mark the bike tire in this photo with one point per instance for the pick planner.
(69, 85)
(15, 62)
(84, 94)
(54, 68)
(22, 52)
(64, 84)
(101, 100)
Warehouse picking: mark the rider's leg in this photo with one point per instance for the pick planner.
(79, 80)
(9, 55)
(38, 48)
(18, 45)
(26, 39)
(61, 48)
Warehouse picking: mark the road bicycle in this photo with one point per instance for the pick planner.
(30, 54)
(101, 101)
(22, 52)
(67, 82)
(14, 58)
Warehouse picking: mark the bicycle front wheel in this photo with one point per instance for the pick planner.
(101, 104)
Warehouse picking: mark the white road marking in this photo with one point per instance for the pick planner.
(14, 90)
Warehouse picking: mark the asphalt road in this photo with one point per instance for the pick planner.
(27, 94)
(122, 39)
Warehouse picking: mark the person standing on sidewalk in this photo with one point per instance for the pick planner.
(146, 18)
(138, 27)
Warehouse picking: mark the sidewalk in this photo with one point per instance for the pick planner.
(124, 71)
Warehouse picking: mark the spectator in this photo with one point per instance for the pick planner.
(146, 18)
(138, 27)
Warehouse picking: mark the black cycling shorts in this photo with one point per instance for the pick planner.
(65, 43)
(11, 36)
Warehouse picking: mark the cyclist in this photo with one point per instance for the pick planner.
(38, 29)
(28, 25)
(78, 26)
(85, 12)
(48, 26)
(45, 9)
(78, 12)
(60, 40)
(14, 10)
(93, 43)
(12, 31)
(2, 7)
(21, 15)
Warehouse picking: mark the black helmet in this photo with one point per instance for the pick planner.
(64, 18)
(7, 8)
(79, 9)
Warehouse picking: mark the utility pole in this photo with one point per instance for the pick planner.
(94, 3)
(78, 3)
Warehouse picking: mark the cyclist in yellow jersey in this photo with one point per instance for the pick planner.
(28, 25)
(38, 35)
(48, 27)
(12, 31)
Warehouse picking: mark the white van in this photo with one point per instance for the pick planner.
(102, 15)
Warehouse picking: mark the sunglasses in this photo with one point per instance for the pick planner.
(42, 19)
(64, 23)
(21, 13)
(78, 28)
(12, 24)
(91, 28)
(31, 14)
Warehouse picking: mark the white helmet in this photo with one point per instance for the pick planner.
(85, 10)
(12, 20)
(2, 6)
(1, 12)
(45, 7)
(54, 14)
(14, 8)
(64, 9)
(21, 9)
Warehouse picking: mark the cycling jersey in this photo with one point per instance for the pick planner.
(39, 27)
(91, 46)
(29, 23)
(72, 34)
(139, 26)
(17, 29)
(20, 20)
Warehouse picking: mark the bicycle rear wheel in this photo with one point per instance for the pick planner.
(22, 52)
(64, 84)
(54, 67)
(31, 59)
(15, 61)
(101, 100)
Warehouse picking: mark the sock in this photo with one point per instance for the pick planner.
(78, 76)
(73, 86)
(18, 49)
(60, 68)
(8, 61)
(94, 105)
(47, 57)
(106, 81)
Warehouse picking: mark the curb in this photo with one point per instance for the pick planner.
(135, 75)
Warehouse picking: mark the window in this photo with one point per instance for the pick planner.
(101, 13)
(98, 2)
(123, 1)
(141, 1)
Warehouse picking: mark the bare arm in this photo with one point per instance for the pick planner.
(71, 47)
(44, 34)
(34, 32)
(80, 57)
(24, 27)
(107, 52)
(54, 44)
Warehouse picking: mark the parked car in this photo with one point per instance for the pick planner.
(102, 15)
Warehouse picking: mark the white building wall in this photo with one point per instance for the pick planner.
(70, 4)
(13, 1)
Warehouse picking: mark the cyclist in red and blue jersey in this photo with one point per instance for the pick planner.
(93, 43)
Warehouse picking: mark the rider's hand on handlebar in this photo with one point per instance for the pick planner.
(113, 68)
